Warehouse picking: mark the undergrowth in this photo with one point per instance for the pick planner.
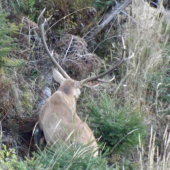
(6, 40)
(147, 69)
(143, 88)
(117, 128)
(62, 157)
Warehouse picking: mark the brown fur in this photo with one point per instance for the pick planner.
(58, 118)
(67, 87)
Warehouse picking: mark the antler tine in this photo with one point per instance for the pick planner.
(110, 69)
(41, 25)
(106, 81)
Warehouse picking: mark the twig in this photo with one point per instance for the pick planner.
(68, 48)
(113, 14)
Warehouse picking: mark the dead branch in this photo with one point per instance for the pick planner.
(97, 29)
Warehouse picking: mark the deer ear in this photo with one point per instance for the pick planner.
(57, 76)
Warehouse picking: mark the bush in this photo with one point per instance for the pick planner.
(119, 129)
(6, 41)
(9, 160)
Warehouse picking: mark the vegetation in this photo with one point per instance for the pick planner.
(70, 157)
(63, 157)
(6, 40)
(129, 116)
(118, 129)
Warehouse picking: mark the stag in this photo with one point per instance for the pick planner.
(58, 118)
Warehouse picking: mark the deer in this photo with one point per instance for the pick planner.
(58, 119)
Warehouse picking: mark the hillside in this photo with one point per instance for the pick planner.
(129, 115)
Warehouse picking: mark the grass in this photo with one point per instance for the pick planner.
(148, 63)
(156, 157)
(140, 97)
(61, 157)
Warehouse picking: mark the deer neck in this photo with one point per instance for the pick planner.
(70, 102)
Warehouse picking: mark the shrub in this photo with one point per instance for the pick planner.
(9, 160)
(118, 128)
(6, 41)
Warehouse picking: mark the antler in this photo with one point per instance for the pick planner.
(41, 25)
(110, 69)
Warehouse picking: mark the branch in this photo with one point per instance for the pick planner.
(100, 27)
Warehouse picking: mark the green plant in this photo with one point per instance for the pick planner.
(72, 157)
(28, 8)
(118, 128)
(9, 160)
(62, 157)
(102, 3)
(6, 40)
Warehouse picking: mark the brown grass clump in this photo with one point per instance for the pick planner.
(156, 157)
(6, 101)
(75, 58)
(148, 56)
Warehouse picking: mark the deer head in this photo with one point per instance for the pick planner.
(58, 118)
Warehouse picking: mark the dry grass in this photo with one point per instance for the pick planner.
(148, 56)
(155, 158)
(146, 79)
(142, 83)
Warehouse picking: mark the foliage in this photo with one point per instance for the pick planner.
(6, 40)
(6, 102)
(73, 157)
(9, 160)
(63, 157)
(102, 3)
(70, 16)
(147, 71)
(27, 100)
(118, 128)
(22, 6)
(28, 8)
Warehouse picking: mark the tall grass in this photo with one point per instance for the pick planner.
(72, 157)
(148, 64)
(147, 80)
(155, 158)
